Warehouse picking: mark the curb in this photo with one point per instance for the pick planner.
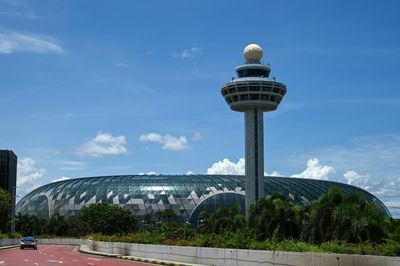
(87, 250)
(8, 247)
(154, 261)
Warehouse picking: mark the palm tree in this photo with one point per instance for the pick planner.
(337, 216)
(275, 217)
(225, 219)
(56, 225)
(28, 224)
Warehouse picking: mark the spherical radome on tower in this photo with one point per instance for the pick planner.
(253, 52)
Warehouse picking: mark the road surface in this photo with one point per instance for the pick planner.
(57, 255)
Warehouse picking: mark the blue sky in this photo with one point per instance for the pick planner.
(122, 87)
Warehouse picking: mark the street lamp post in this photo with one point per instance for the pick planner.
(184, 229)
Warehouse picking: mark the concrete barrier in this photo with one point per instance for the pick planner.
(5, 242)
(220, 256)
(242, 257)
(62, 241)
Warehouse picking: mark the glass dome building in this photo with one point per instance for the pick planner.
(186, 195)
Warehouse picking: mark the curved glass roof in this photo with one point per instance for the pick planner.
(147, 194)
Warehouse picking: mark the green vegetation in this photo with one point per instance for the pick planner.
(337, 216)
(98, 218)
(276, 218)
(5, 208)
(108, 219)
(336, 223)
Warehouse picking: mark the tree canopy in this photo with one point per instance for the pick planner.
(108, 219)
(338, 216)
(5, 207)
(275, 217)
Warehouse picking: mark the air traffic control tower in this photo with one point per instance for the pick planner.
(253, 93)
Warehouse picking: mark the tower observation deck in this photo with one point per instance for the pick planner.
(253, 93)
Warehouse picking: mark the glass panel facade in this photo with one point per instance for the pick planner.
(8, 175)
(186, 195)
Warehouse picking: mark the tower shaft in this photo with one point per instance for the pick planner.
(253, 93)
(254, 151)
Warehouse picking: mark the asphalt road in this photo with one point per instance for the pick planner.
(54, 255)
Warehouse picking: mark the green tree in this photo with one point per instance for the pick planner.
(394, 230)
(29, 224)
(5, 207)
(275, 217)
(167, 215)
(77, 227)
(205, 223)
(229, 219)
(338, 216)
(56, 225)
(108, 219)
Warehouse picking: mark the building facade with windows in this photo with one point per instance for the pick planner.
(8, 175)
(186, 195)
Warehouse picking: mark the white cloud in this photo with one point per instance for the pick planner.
(148, 173)
(197, 136)
(12, 42)
(168, 142)
(187, 53)
(16, 9)
(375, 158)
(385, 188)
(27, 172)
(315, 170)
(274, 173)
(104, 144)
(285, 107)
(393, 204)
(226, 167)
(377, 155)
(362, 181)
(72, 165)
(60, 179)
(190, 173)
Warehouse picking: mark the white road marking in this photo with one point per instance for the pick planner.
(56, 261)
(75, 260)
(93, 259)
(91, 263)
(36, 263)
(26, 260)
(2, 262)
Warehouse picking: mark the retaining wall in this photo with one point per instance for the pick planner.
(241, 257)
(63, 241)
(222, 257)
(9, 242)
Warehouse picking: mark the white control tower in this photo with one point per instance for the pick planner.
(253, 93)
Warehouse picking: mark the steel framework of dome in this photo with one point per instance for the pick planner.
(186, 195)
